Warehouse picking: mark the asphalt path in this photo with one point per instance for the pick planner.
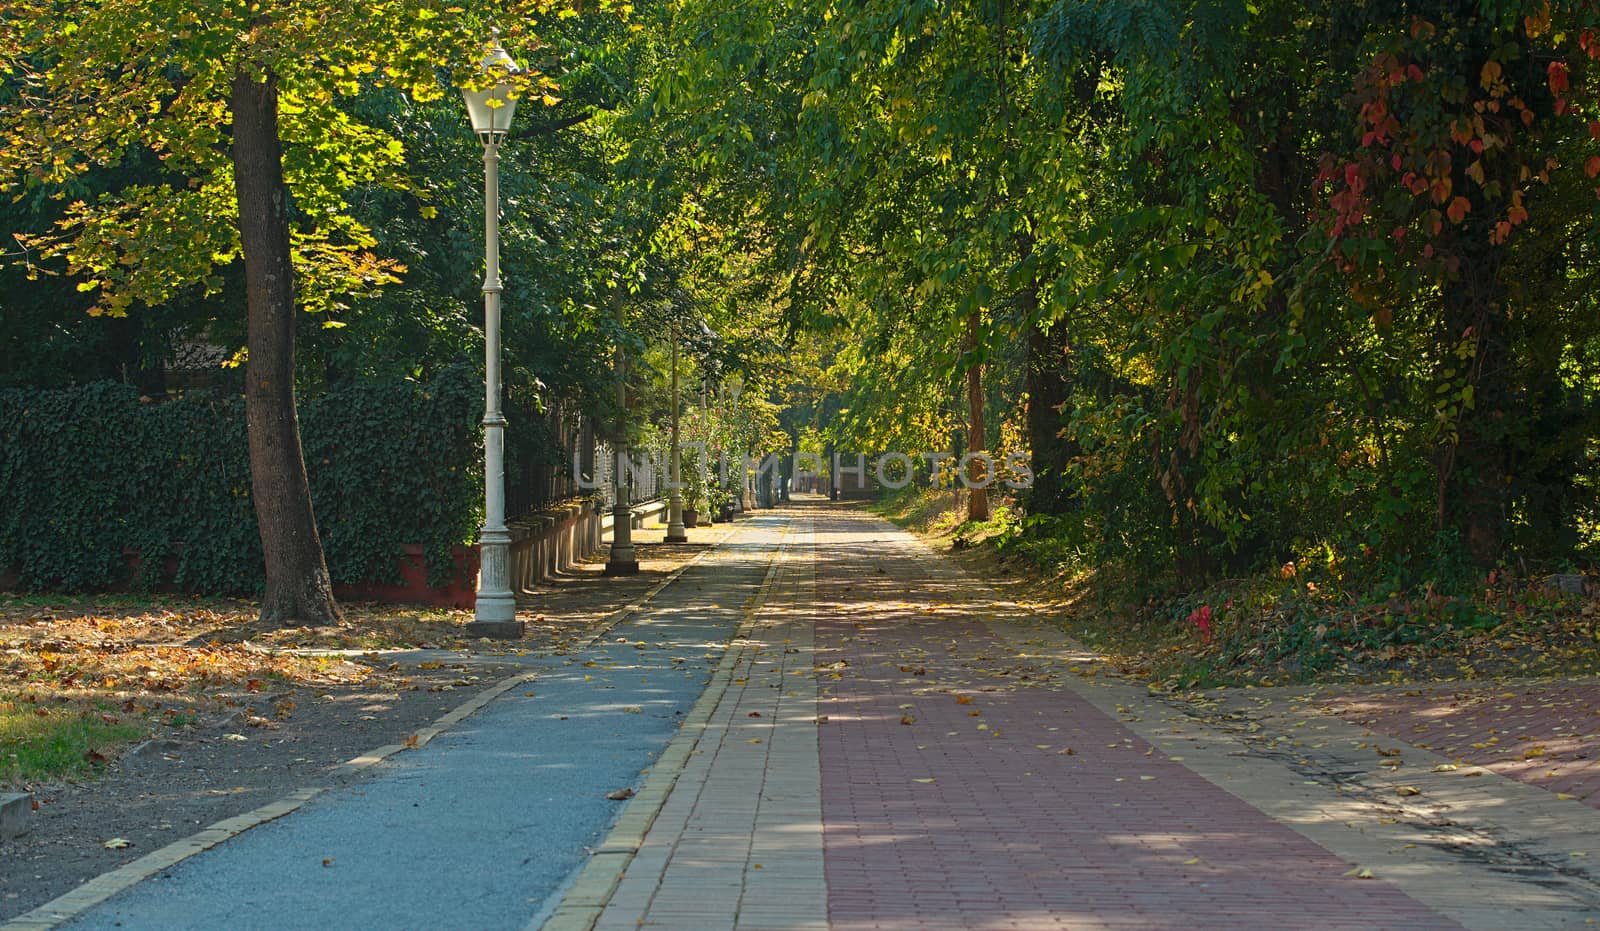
(484, 826)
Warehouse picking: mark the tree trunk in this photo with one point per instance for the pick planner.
(1047, 375)
(977, 475)
(1472, 470)
(298, 588)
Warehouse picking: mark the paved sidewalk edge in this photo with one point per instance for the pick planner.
(581, 905)
(97, 890)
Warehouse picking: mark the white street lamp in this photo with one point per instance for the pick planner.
(490, 110)
(622, 560)
(675, 531)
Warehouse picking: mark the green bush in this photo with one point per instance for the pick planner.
(93, 473)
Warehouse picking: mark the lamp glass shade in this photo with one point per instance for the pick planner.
(492, 108)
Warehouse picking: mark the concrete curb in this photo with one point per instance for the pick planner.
(583, 902)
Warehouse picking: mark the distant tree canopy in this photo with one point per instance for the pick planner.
(1251, 277)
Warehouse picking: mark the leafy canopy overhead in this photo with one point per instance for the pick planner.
(92, 85)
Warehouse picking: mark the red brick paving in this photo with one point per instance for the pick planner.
(1014, 835)
(1545, 735)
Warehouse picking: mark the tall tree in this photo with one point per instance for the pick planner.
(213, 90)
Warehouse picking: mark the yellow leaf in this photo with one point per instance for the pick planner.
(117, 843)
(1192, 861)
(1407, 791)
(922, 780)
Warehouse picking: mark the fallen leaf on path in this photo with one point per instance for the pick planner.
(1407, 791)
(234, 737)
(922, 780)
(1361, 872)
(327, 861)
(907, 719)
(620, 795)
(117, 843)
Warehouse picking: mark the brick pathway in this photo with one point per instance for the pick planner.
(727, 832)
(1547, 735)
(894, 746)
(1027, 807)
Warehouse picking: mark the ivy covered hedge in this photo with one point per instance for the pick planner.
(91, 474)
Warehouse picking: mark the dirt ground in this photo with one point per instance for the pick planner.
(238, 716)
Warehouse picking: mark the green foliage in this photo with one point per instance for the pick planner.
(94, 473)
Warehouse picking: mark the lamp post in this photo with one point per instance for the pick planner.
(622, 559)
(490, 110)
(675, 531)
